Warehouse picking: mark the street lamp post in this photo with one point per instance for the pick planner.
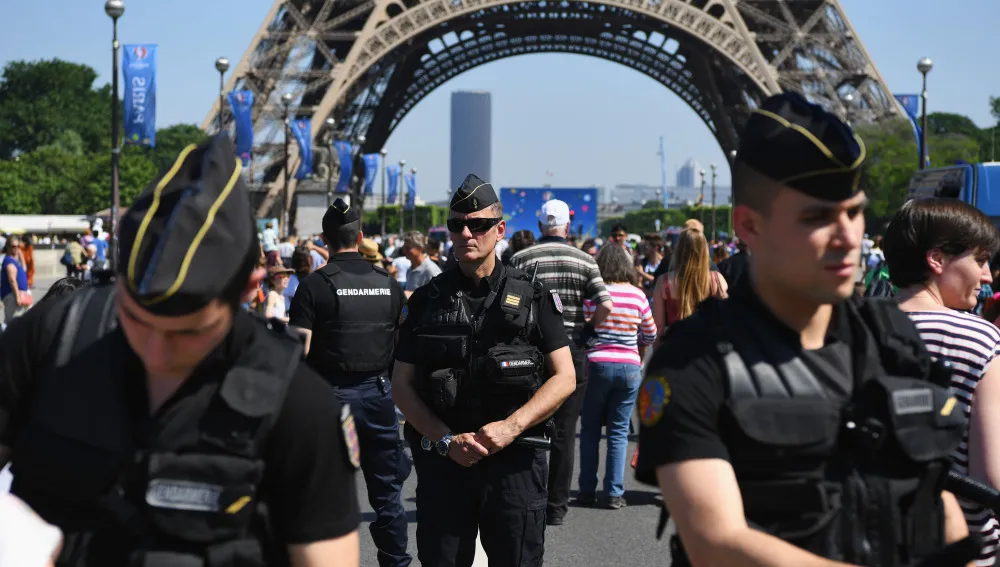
(713, 166)
(729, 217)
(924, 66)
(330, 125)
(221, 65)
(286, 100)
(383, 152)
(413, 211)
(360, 187)
(115, 9)
(402, 192)
(848, 103)
(701, 197)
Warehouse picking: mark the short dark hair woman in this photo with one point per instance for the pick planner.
(938, 252)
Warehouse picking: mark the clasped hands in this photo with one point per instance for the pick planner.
(468, 449)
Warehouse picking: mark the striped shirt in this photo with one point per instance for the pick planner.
(570, 272)
(629, 324)
(969, 343)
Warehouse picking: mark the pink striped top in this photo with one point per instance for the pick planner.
(629, 324)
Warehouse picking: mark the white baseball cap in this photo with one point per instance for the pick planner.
(555, 213)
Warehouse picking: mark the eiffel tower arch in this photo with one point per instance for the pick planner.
(367, 63)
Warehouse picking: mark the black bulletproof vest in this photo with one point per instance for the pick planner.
(359, 337)
(482, 364)
(191, 497)
(880, 458)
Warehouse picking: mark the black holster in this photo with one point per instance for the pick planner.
(441, 389)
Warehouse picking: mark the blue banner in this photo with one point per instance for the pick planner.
(242, 104)
(911, 104)
(302, 130)
(392, 177)
(411, 190)
(139, 74)
(371, 172)
(344, 152)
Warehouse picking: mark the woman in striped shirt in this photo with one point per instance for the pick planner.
(938, 253)
(614, 366)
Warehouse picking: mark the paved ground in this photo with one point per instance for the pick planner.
(590, 536)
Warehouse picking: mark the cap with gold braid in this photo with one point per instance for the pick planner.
(339, 214)
(474, 195)
(189, 233)
(802, 146)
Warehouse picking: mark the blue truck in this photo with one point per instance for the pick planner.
(977, 184)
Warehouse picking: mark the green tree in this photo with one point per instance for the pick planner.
(39, 100)
(171, 140)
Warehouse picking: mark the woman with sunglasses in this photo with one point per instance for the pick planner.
(484, 346)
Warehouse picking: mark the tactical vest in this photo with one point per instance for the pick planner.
(876, 499)
(480, 367)
(360, 335)
(191, 497)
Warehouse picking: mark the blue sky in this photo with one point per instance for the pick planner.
(588, 121)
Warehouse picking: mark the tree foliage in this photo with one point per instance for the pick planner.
(55, 150)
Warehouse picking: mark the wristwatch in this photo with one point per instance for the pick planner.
(443, 444)
(426, 443)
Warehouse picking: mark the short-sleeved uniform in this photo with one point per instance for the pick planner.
(384, 463)
(308, 481)
(503, 496)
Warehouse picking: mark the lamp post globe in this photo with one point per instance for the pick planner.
(286, 99)
(114, 8)
(413, 171)
(361, 141)
(222, 64)
(925, 65)
(384, 152)
(402, 163)
(732, 155)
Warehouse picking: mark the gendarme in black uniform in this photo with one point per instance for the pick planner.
(352, 309)
(251, 429)
(842, 450)
(479, 351)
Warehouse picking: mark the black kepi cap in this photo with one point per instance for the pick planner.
(339, 214)
(189, 233)
(800, 145)
(474, 195)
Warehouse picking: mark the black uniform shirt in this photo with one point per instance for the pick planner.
(549, 336)
(691, 422)
(315, 302)
(308, 483)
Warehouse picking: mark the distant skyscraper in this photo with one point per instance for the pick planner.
(471, 133)
(687, 175)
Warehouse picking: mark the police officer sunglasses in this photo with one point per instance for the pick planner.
(475, 225)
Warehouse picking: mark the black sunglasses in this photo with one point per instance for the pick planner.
(474, 225)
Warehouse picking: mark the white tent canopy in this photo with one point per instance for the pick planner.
(43, 224)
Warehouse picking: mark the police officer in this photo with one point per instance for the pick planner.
(349, 311)
(787, 425)
(157, 424)
(482, 362)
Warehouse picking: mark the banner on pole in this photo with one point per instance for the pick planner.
(344, 152)
(392, 179)
(139, 74)
(911, 104)
(242, 104)
(371, 172)
(302, 130)
(411, 190)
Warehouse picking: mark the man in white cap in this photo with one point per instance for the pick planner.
(573, 276)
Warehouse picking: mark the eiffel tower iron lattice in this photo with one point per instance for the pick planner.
(367, 63)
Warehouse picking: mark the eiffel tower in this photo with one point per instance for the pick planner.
(367, 63)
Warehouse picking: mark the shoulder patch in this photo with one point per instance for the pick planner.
(654, 395)
(350, 432)
(556, 301)
(403, 314)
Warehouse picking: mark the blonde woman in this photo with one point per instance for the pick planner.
(689, 281)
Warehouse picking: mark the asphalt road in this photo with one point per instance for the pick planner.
(590, 536)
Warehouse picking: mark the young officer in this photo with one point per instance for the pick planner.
(154, 422)
(786, 425)
(482, 362)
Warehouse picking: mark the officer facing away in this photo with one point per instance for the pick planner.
(348, 311)
(157, 424)
(482, 363)
(787, 425)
